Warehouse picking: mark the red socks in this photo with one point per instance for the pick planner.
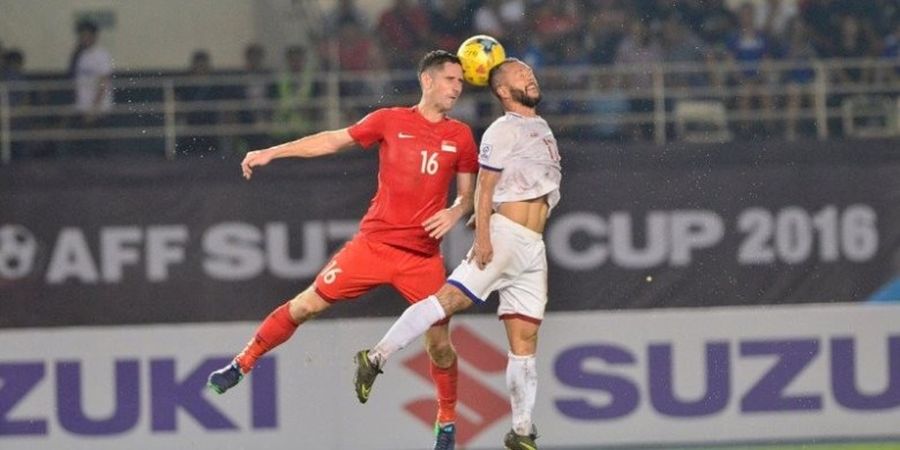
(272, 332)
(445, 384)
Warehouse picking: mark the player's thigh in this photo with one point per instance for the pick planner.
(355, 269)
(417, 276)
(525, 297)
(478, 283)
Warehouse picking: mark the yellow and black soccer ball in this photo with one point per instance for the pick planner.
(478, 55)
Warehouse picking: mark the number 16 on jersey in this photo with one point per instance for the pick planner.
(429, 162)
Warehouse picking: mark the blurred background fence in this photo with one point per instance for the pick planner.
(183, 115)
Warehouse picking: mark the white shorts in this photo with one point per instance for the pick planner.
(518, 271)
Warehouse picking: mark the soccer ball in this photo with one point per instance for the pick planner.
(478, 55)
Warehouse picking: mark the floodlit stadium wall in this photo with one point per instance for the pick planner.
(803, 373)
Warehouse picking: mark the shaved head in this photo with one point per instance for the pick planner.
(495, 76)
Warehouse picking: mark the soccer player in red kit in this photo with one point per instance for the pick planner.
(421, 151)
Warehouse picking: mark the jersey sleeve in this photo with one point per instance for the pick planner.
(369, 129)
(496, 145)
(468, 158)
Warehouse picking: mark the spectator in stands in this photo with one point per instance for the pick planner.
(512, 17)
(11, 70)
(884, 16)
(570, 77)
(653, 11)
(92, 69)
(774, 17)
(557, 19)
(355, 51)
(488, 19)
(198, 91)
(604, 29)
(254, 93)
(404, 31)
(799, 50)
(451, 22)
(891, 52)
(556, 22)
(608, 107)
(680, 45)
(93, 75)
(345, 11)
(639, 54)
(749, 49)
(294, 92)
(255, 89)
(854, 42)
(358, 56)
(821, 16)
(710, 19)
(532, 51)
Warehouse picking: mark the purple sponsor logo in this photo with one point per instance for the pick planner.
(168, 395)
(576, 367)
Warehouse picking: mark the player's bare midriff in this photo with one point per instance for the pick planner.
(531, 214)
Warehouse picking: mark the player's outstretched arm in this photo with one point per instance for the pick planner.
(441, 222)
(482, 249)
(323, 143)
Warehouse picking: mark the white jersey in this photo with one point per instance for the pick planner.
(93, 64)
(524, 150)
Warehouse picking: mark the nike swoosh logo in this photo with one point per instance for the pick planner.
(405, 136)
(364, 391)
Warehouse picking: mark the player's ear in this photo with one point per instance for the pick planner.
(503, 91)
(426, 79)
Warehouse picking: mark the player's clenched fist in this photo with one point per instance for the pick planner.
(254, 159)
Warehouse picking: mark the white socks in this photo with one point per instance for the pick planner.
(521, 380)
(414, 322)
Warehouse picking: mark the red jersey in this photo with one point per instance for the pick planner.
(418, 160)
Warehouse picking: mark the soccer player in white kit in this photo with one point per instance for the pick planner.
(517, 188)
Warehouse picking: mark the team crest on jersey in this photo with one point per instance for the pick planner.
(485, 151)
(448, 146)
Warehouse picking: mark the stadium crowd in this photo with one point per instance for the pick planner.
(562, 34)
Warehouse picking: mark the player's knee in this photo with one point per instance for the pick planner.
(307, 305)
(453, 299)
(524, 342)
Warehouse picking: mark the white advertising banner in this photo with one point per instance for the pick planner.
(659, 377)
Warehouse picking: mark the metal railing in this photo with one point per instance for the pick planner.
(587, 101)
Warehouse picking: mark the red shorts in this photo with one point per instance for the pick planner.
(362, 265)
